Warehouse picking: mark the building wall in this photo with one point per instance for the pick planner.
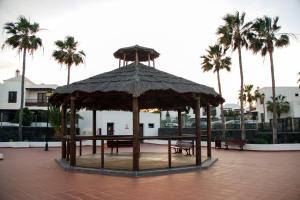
(5, 88)
(14, 84)
(291, 96)
(122, 122)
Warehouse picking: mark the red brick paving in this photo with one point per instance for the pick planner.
(32, 174)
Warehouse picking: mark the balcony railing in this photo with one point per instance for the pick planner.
(35, 102)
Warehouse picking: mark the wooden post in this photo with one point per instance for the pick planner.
(136, 58)
(198, 134)
(68, 150)
(149, 59)
(119, 62)
(179, 126)
(102, 153)
(153, 63)
(124, 58)
(94, 131)
(63, 132)
(80, 147)
(72, 134)
(208, 131)
(169, 153)
(136, 141)
(179, 123)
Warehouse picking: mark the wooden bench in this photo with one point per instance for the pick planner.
(118, 143)
(183, 145)
(218, 143)
(235, 142)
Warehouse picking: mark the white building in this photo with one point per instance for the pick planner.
(292, 95)
(35, 98)
(118, 123)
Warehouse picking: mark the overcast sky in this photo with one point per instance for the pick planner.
(179, 30)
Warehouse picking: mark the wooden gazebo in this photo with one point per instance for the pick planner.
(131, 87)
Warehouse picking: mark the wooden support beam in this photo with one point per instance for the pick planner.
(94, 130)
(153, 62)
(72, 134)
(119, 62)
(124, 58)
(198, 134)
(63, 132)
(136, 57)
(136, 135)
(68, 150)
(149, 59)
(179, 125)
(169, 154)
(179, 122)
(80, 147)
(102, 153)
(208, 131)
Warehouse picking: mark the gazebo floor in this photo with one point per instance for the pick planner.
(123, 160)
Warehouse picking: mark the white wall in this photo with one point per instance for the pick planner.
(122, 122)
(14, 84)
(289, 93)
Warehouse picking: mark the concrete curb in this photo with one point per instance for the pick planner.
(153, 172)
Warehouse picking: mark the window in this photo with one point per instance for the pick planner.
(12, 97)
(151, 125)
(41, 97)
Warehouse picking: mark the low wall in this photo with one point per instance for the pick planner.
(39, 144)
(252, 135)
(10, 133)
(251, 147)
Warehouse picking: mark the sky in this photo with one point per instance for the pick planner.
(179, 30)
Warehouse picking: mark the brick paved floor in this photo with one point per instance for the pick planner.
(32, 174)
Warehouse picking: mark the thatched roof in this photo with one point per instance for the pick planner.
(155, 89)
(130, 53)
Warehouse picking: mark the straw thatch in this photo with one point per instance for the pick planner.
(156, 89)
(129, 53)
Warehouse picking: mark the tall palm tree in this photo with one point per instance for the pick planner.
(234, 34)
(67, 54)
(261, 97)
(216, 60)
(22, 36)
(265, 37)
(281, 104)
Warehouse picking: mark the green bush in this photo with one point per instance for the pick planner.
(27, 117)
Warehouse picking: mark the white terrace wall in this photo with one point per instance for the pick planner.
(122, 122)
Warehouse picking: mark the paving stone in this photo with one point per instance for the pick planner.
(31, 173)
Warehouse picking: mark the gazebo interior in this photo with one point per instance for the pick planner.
(133, 86)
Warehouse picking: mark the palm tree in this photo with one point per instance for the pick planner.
(22, 36)
(216, 60)
(67, 53)
(248, 96)
(261, 97)
(281, 104)
(234, 34)
(264, 39)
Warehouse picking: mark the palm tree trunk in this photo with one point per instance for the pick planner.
(20, 136)
(222, 110)
(69, 69)
(242, 92)
(274, 102)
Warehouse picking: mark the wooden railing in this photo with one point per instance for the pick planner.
(117, 138)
